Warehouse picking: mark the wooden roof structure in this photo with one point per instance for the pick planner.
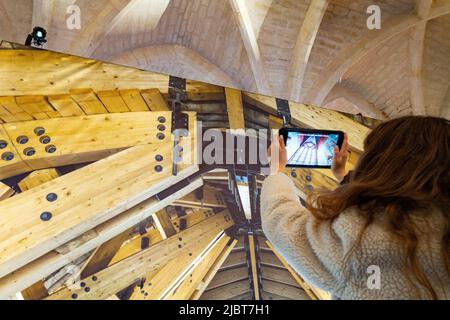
(90, 208)
(317, 52)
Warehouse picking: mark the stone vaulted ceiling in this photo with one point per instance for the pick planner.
(317, 52)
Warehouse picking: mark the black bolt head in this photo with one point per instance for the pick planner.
(7, 156)
(39, 131)
(46, 216)
(52, 197)
(22, 139)
(29, 152)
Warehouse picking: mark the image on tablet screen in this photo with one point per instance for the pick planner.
(310, 149)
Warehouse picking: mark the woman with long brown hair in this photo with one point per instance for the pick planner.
(385, 233)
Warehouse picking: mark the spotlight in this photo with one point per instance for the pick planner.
(37, 37)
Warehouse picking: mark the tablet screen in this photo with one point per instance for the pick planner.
(310, 149)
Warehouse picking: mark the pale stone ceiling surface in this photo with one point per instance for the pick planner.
(204, 40)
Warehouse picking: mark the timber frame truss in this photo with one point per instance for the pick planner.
(104, 195)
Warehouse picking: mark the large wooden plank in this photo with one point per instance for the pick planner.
(88, 101)
(43, 78)
(36, 178)
(225, 277)
(317, 118)
(133, 100)
(54, 260)
(154, 99)
(76, 210)
(38, 290)
(11, 163)
(36, 106)
(284, 290)
(122, 274)
(86, 138)
(162, 284)
(12, 111)
(113, 101)
(313, 293)
(227, 292)
(213, 271)
(235, 108)
(5, 191)
(65, 105)
(193, 279)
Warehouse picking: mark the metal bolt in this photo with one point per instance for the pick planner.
(82, 284)
(294, 174)
(46, 216)
(7, 156)
(162, 119)
(158, 168)
(160, 136)
(74, 296)
(29, 152)
(45, 140)
(22, 139)
(51, 197)
(3, 144)
(159, 158)
(308, 178)
(39, 131)
(87, 289)
(50, 149)
(161, 127)
(94, 278)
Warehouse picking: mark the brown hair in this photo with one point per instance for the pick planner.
(405, 167)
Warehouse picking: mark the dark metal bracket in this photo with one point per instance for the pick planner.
(284, 111)
(180, 120)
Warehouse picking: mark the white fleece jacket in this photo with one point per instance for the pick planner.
(316, 250)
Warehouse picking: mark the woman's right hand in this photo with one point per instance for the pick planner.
(340, 160)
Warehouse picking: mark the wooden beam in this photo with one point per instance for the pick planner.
(112, 100)
(211, 199)
(54, 260)
(5, 191)
(284, 290)
(278, 275)
(225, 277)
(65, 105)
(210, 275)
(163, 224)
(303, 46)
(242, 17)
(81, 139)
(37, 291)
(226, 292)
(191, 218)
(122, 274)
(235, 108)
(75, 73)
(133, 100)
(154, 99)
(192, 280)
(134, 245)
(31, 236)
(36, 178)
(102, 256)
(313, 293)
(317, 118)
(375, 38)
(88, 101)
(254, 268)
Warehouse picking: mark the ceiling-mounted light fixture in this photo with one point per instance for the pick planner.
(37, 37)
